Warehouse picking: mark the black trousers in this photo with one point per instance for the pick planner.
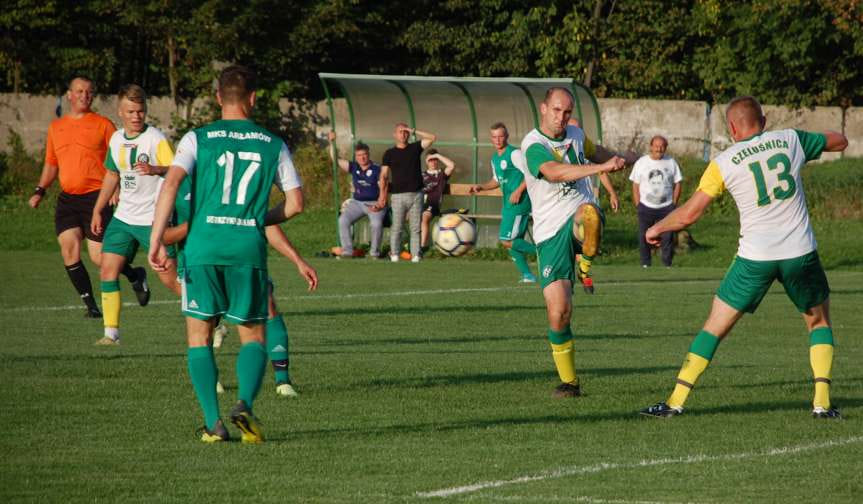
(647, 217)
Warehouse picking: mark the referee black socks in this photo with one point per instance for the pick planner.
(81, 280)
(129, 272)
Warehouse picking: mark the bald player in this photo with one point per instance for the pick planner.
(559, 161)
(762, 171)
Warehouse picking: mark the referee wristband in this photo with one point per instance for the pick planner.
(39, 190)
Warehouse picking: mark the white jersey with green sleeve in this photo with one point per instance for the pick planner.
(232, 164)
(762, 173)
(553, 203)
(138, 193)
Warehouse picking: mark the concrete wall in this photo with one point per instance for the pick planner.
(30, 115)
(630, 124)
(693, 128)
(780, 117)
(854, 131)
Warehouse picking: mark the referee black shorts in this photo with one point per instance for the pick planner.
(76, 210)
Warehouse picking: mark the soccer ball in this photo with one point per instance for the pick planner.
(454, 234)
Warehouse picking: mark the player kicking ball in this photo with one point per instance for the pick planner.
(232, 163)
(762, 172)
(131, 151)
(557, 174)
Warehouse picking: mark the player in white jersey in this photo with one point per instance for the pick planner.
(762, 173)
(137, 155)
(557, 176)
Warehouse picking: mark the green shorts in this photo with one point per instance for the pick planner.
(125, 239)
(237, 292)
(556, 256)
(746, 282)
(512, 225)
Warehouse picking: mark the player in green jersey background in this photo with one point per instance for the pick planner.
(506, 171)
(232, 163)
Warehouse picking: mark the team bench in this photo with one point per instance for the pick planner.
(464, 190)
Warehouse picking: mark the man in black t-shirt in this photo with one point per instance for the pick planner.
(403, 161)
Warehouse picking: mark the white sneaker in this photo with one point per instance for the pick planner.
(219, 334)
(394, 258)
(219, 388)
(416, 259)
(285, 390)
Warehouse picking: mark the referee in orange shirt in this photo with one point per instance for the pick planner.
(75, 151)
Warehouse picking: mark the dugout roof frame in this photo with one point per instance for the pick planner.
(459, 110)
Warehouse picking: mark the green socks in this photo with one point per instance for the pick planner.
(277, 348)
(523, 246)
(520, 262)
(204, 375)
(251, 364)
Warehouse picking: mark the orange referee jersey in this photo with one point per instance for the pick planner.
(78, 147)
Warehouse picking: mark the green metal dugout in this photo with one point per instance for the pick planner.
(459, 110)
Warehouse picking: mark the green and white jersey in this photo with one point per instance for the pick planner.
(138, 193)
(507, 170)
(554, 203)
(232, 164)
(762, 173)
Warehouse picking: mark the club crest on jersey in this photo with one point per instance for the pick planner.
(503, 164)
(559, 151)
(568, 189)
(143, 158)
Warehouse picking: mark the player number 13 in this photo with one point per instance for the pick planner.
(226, 161)
(786, 187)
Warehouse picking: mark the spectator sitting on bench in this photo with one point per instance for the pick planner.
(434, 184)
(369, 197)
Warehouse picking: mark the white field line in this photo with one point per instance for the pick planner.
(421, 292)
(569, 498)
(610, 466)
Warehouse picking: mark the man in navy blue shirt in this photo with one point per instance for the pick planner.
(369, 197)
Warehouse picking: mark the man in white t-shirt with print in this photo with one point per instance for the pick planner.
(655, 191)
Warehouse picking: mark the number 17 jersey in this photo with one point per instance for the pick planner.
(232, 165)
(762, 173)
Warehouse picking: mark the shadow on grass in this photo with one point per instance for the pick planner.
(795, 383)
(799, 408)
(765, 406)
(487, 378)
(417, 310)
(468, 339)
(845, 291)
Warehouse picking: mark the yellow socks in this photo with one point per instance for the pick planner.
(821, 360)
(700, 353)
(592, 223)
(111, 305)
(563, 355)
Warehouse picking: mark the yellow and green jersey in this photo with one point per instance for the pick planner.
(762, 173)
(506, 168)
(232, 165)
(138, 193)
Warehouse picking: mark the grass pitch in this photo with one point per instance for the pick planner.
(429, 382)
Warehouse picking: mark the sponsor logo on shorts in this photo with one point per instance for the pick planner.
(546, 271)
(193, 304)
